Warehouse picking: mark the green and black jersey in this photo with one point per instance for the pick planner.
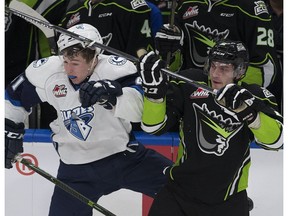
(205, 21)
(123, 25)
(214, 155)
(23, 41)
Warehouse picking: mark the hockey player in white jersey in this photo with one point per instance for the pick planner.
(96, 97)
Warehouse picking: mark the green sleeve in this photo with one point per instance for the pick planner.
(269, 134)
(153, 113)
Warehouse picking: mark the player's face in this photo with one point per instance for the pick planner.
(221, 74)
(77, 68)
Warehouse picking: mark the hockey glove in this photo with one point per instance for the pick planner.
(168, 40)
(240, 101)
(13, 141)
(102, 92)
(154, 82)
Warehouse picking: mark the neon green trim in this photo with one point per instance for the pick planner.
(153, 113)
(269, 130)
(243, 182)
(253, 76)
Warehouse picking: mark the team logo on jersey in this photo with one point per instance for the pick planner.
(191, 12)
(137, 3)
(117, 60)
(60, 91)
(266, 92)
(199, 93)
(260, 8)
(76, 121)
(75, 18)
(201, 38)
(214, 131)
(39, 62)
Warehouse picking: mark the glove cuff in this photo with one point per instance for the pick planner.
(256, 123)
(160, 100)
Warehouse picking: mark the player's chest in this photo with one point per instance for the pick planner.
(207, 18)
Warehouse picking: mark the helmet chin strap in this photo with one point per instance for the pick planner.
(90, 71)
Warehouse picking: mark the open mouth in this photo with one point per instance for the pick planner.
(72, 77)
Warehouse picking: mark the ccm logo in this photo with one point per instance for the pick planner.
(22, 169)
(13, 135)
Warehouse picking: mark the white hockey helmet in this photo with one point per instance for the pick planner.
(83, 29)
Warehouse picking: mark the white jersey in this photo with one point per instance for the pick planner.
(84, 135)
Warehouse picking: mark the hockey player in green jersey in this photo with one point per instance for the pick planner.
(210, 175)
(203, 22)
(124, 25)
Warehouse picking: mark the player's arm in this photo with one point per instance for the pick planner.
(159, 114)
(254, 111)
(20, 96)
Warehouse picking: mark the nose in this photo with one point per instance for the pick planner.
(215, 72)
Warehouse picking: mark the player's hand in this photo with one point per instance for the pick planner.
(167, 40)
(102, 92)
(13, 141)
(239, 100)
(154, 82)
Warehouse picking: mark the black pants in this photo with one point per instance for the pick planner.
(168, 203)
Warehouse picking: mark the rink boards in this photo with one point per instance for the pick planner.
(29, 194)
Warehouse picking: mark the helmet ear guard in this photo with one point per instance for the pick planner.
(229, 52)
(85, 30)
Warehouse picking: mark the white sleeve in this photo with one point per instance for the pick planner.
(16, 114)
(129, 105)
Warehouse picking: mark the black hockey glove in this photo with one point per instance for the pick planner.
(13, 141)
(154, 82)
(168, 40)
(240, 101)
(102, 92)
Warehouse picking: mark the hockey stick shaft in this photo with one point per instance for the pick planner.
(61, 30)
(39, 22)
(171, 25)
(187, 80)
(63, 186)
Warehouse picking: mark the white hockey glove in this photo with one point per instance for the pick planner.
(168, 40)
(13, 141)
(240, 101)
(154, 82)
(102, 92)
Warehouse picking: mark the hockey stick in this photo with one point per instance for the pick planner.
(187, 80)
(61, 30)
(49, 33)
(171, 24)
(63, 186)
(44, 24)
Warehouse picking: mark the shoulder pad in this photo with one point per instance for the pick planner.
(131, 5)
(256, 8)
(114, 67)
(40, 70)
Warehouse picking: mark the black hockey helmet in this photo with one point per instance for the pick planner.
(229, 52)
